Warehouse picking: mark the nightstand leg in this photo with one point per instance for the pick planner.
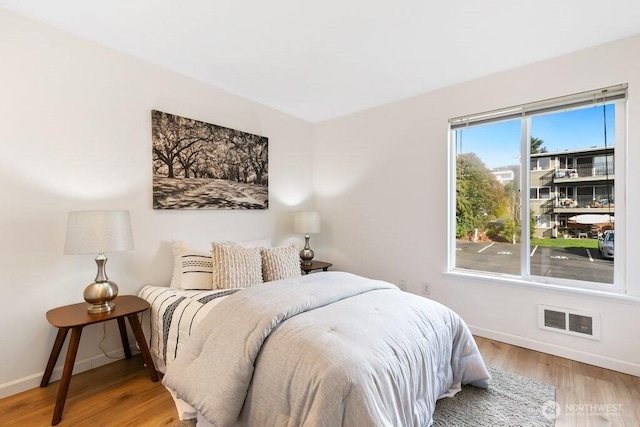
(125, 339)
(66, 374)
(55, 352)
(144, 349)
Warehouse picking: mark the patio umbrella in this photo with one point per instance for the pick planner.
(591, 218)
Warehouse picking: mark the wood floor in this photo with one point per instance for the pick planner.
(608, 398)
(120, 394)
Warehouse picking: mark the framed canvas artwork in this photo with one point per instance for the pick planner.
(198, 165)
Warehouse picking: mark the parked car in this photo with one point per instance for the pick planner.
(606, 243)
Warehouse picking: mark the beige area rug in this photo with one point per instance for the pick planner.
(510, 400)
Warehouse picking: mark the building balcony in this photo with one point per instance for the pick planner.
(590, 173)
(583, 210)
(581, 205)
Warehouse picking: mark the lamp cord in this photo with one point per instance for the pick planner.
(104, 337)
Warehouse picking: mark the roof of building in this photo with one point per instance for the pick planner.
(590, 150)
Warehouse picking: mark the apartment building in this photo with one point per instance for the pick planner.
(566, 186)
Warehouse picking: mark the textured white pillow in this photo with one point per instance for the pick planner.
(280, 263)
(191, 267)
(235, 266)
(176, 249)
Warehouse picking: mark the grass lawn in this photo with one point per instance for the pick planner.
(566, 243)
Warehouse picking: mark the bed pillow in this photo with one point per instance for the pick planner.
(195, 281)
(176, 249)
(196, 271)
(235, 266)
(280, 263)
(192, 267)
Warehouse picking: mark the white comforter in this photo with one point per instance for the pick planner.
(327, 349)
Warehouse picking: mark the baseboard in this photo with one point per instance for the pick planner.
(32, 381)
(556, 350)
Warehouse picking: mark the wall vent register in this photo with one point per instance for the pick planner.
(569, 321)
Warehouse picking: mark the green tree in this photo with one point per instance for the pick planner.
(480, 198)
(532, 225)
(510, 231)
(536, 145)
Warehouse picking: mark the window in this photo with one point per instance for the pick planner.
(566, 162)
(542, 163)
(603, 165)
(542, 220)
(540, 193)
(564, 154)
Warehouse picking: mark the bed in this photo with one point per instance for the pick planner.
(323, 349)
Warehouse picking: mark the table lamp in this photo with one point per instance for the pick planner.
(98, 232)
(307, 223)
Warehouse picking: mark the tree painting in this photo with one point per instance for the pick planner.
(198, 165)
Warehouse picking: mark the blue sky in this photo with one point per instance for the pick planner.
(498, 144)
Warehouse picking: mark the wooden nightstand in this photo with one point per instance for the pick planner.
(315, 265)
(75, 317)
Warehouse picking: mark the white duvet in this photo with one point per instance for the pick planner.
(327, 349)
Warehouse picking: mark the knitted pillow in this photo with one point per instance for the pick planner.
(280, 263)
(235, 266)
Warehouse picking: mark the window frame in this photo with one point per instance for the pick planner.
(598, 97)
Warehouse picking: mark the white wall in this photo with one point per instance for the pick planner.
(381, 185)
(75, 133)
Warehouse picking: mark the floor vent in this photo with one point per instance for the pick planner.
(568, 321)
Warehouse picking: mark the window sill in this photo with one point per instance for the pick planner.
(509, 281)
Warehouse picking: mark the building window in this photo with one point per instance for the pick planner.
(543, 220)
(563, 155)
(540, 193)
(566, 162)
(539, 164)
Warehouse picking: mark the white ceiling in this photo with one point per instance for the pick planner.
(322, 59)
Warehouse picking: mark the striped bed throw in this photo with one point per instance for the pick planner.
(174, 315)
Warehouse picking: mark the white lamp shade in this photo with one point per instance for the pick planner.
(94, 232)
(306, 222)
